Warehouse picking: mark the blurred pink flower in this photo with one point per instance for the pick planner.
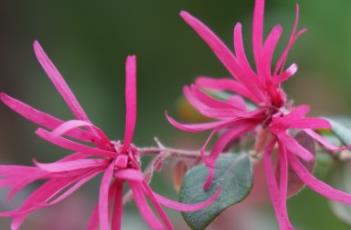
(273, 117)
(118, 161)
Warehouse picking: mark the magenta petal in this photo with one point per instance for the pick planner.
(41, 198)
(149, 193)
(268, 50)
(284, 173)
(72, 189)
(324, 142)
(240, 49)
(117, 186)
(59, 82)
(93, 223)
(131, 100)
(294, 147)
(238, 102)
(227, 84)
(223, 53)
(41, 118)
(257, 29)
(205, 109)
(310, 123)
(238, 129)
(287, 74)
(17, 177)
(74, 124)
(103, 198)
(232, 134)
(187, 207)
(144, 208)
(196, 128)
(208, 100)
(130, 175)
(70, 165)
(293, 37)
(278, 199)
(315, 184)
(298, 112)
(70, 145)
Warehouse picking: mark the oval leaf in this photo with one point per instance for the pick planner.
(233, 176)
(341, 127)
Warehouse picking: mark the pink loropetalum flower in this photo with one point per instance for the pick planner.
(117, 160)
(273, 118)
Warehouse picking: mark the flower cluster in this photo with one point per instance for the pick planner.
(118, 161)
(273, 118)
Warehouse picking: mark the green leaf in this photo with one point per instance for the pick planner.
(233, 175)
(341, 179)
(341, 127)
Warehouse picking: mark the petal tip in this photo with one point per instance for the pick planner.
(184, 13)
(36, 45)
(3, 96)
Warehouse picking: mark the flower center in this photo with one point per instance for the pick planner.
(126, 157)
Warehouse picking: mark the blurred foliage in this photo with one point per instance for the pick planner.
(89, 40)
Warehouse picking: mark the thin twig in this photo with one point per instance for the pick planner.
(162, 153)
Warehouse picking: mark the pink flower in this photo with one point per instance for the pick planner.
(273, 118)
(119, 161)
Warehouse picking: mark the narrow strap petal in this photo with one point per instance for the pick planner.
(276, 196)
(154, 201)
(283, 177)
(74, 124)
(210, 101)
(268, 51)
(196, 128)
(131, 100)
(40, 198)
(70, 145)
(293, 37)
(225, 84)
(72, 189)
(103, 198)
(232, 134)
(205, 109)
(118, 205)
(187, 207)
(130, 175)
(257, 29)
(294, 147)
(70, 165)
(287, 74)
(59, 82)
(144, 208)
(316, 185)
(297, 112)
(240, 127)
(43, 119)
(93, 223)
(323, 141)
(223, 53)
(240, 48)
(310, 123)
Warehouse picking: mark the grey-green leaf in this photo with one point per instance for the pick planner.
(341, 127)
(341, 179)
(233, 175)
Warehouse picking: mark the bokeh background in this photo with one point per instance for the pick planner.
(89, 40)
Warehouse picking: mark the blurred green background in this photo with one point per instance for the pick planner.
(89, 40)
